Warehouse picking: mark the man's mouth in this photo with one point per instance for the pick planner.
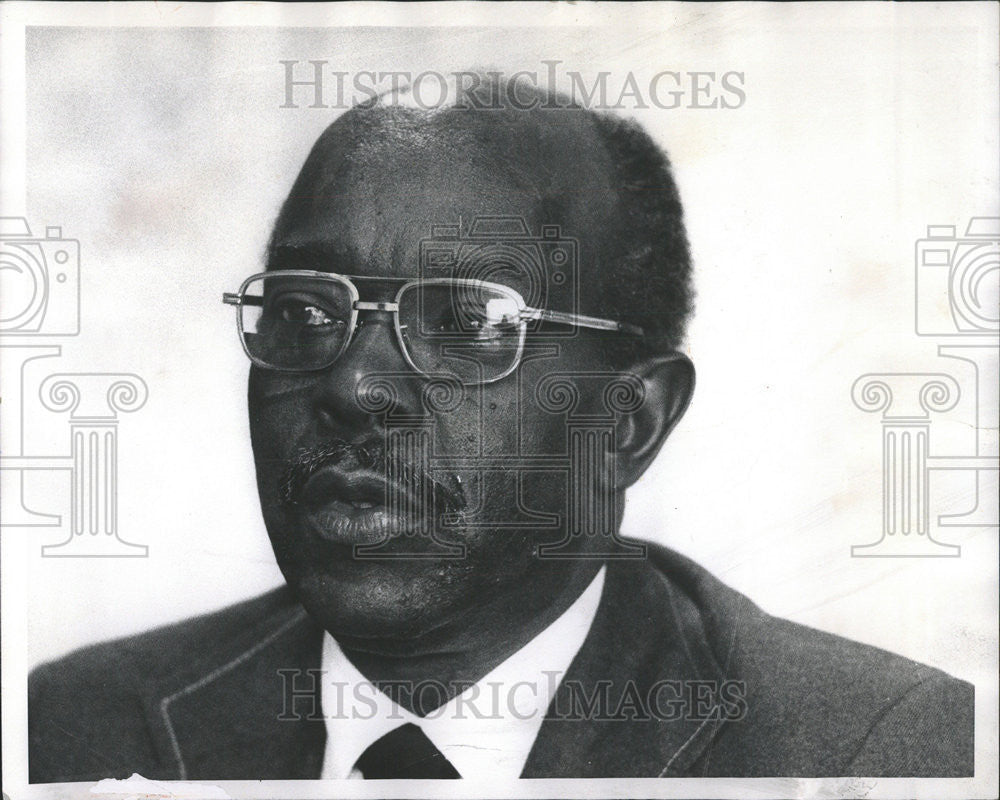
(350, 506)
(344, 498)
(357, 488)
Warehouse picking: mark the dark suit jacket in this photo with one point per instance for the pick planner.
(679, 676)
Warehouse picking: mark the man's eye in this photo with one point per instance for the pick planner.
(452, 321)
(473, 324)
(486, 332)
(485, 329)
(305, 314)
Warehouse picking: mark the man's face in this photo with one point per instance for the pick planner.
(320, 442)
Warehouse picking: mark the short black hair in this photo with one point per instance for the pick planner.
(652, 285)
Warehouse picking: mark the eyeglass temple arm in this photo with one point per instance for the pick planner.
(234, 299)
(581, 320)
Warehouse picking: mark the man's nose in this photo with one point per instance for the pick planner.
(370, 381)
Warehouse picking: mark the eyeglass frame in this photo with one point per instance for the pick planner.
(525, 314)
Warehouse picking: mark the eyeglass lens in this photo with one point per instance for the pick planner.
(466, 330)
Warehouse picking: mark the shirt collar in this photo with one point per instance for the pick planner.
(488, 729)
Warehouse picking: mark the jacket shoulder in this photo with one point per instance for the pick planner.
(852, 709)
(88, 711)
(819, 704)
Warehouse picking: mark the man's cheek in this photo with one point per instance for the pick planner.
(279, 411)
(273, 395)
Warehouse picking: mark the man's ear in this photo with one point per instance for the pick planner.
(668, 383)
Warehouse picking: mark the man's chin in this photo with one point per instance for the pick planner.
(376, 601)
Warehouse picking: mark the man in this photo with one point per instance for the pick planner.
(464, 352)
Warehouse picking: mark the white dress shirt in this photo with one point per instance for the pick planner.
(487, 730)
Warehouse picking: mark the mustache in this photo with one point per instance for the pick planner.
(375, 456)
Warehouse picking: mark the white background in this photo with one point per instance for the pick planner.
(165, 153)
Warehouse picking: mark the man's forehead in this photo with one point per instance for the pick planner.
(376, 219)
(368, 199)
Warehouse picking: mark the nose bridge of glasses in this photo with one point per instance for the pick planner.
(379, 314)
(364, 305)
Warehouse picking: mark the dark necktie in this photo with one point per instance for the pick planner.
(404, 753)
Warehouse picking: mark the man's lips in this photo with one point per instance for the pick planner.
(356, 488)
(352, 506)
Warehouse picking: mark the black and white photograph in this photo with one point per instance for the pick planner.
(285, 515)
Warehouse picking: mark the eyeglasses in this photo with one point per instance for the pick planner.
(303, 321)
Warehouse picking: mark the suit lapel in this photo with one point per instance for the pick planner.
(637, 699)
(249, 708)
